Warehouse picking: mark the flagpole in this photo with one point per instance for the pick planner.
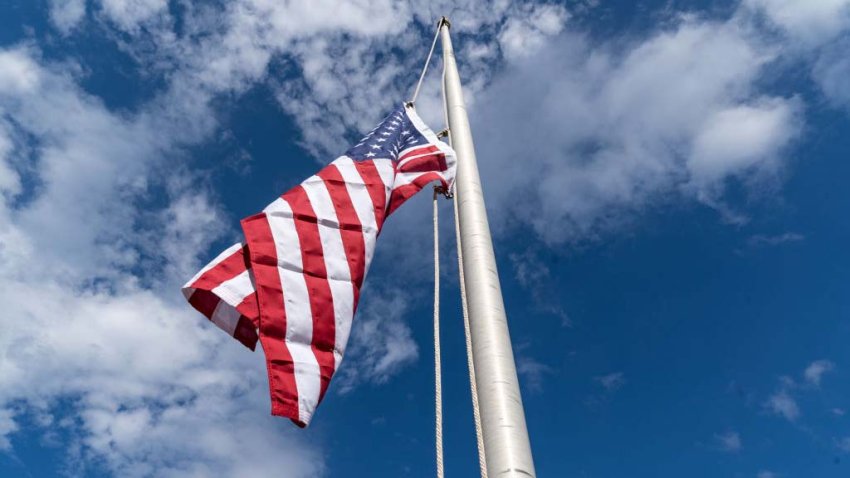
(506, 445)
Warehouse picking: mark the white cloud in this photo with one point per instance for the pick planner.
(524, 34)
(616, 129)
(832, 70)
(18, 72)
(126, 15)
(612, 381)
(733, 140)
(67, 14)
(10, 181)
(153, 390)
(757, 240)
(729, 441)
(7, 427)
(783, 404)
(129, 14)
(815, 29)
(810, 21)
(88, 162)
(816, 370)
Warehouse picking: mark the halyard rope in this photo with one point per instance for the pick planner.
(438, 378)
(427, 62)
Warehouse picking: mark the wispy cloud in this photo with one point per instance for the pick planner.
(533, 372)
(612, 381)
(609, 384)
(759, 240)
(729, 441)
(783, 404)
(535, 275)
(783, 401)
(816, 370)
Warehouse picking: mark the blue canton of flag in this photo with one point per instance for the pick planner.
(394, 135)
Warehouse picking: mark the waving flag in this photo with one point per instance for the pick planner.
(294, 283)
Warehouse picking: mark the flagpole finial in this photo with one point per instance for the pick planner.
(444, 20)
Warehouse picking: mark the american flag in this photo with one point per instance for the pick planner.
(295, 281)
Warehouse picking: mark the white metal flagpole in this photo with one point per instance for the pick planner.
(506, 445)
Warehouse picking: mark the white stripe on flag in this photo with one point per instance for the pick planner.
(299, 317)
(403, 179)
(224, 255)
(226, 317)
(235, 290)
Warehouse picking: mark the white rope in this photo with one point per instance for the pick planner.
(438, 387)
(476, 412)
(427, 62)
(473, 387)
(438, 377)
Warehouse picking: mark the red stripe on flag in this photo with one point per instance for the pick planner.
(349, 224)
(423, 164)
(281, 370)
(372, 179)
(249, 308)
(402, 193)
(229, 267)
(416, 152)
(246, 333)
(204, 302)
(316, 277)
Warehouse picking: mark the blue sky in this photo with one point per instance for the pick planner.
(666, 183)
